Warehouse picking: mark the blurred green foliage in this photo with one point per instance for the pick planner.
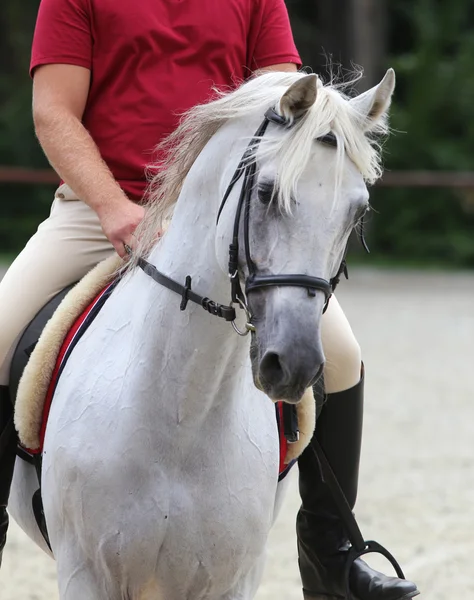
(22, 207)
(431, 46)
(432, 51)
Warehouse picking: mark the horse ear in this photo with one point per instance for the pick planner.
(299, 98)
(373, 104)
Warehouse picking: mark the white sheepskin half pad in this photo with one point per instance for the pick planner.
(306, 411)
(37, 375)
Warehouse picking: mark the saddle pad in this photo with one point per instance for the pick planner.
(74, 335)
(37, 374)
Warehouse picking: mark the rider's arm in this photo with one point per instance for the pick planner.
(287, 67)
(61, 65)
(59, 97)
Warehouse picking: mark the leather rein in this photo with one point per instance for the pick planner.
(247, 169)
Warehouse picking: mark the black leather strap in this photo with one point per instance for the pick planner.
(359, 546)
(306, 281)
(352, 529)
(219, 310)
(290, 423)
(244, 167)
(272, 116)
(6, 435)
(341, 271)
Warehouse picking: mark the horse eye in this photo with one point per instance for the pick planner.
(265, 194)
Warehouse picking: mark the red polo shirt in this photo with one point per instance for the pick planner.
(153, 59)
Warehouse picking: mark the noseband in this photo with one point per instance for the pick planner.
(247, 169)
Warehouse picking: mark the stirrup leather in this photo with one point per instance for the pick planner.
(359, 546)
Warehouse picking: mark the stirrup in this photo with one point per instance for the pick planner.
(370, 547)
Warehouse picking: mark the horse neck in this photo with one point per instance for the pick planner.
(205, 348)
(188, 247)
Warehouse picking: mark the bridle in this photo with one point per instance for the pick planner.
(247, 169)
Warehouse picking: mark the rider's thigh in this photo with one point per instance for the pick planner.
(343, 355)
(65, 247)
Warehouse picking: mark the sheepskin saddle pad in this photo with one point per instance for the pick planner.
(46, 350)
(45, 347)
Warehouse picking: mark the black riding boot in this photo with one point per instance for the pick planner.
(323, 544)
(7, 460)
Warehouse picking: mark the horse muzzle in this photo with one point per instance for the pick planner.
(285, 375)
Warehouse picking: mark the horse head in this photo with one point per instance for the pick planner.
(299, 189)
(308, 192)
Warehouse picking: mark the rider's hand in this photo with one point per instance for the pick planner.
(119, 222)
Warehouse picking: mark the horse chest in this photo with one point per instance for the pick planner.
(192, 511)
(216, 529)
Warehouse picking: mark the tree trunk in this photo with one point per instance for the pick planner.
(344, 32)
(369, 39)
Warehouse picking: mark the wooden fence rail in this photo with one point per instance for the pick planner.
(29, 176)
(413, 179)
(428, 179)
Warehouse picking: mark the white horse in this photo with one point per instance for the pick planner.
(161, 454)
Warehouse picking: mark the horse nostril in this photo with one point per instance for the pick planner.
(271, 369)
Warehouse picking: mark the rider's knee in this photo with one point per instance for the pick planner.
(6, 354)
(343, 365)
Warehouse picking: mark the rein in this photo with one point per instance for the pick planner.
(247, 169)
(186, 293)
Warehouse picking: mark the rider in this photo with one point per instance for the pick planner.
(109, 79)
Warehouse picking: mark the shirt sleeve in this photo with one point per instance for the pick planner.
(273, 39)
(62, 34)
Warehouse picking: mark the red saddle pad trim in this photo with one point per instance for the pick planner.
(68, 340)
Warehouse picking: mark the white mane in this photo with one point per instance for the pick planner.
(331, 112)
